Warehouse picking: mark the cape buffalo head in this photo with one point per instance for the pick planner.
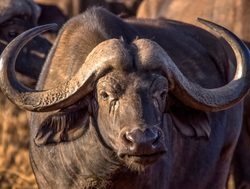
(123, 89)
(15, 18)
(130, 115)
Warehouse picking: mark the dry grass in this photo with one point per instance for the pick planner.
(15, 169)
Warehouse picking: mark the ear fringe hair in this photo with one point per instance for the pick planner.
(63, 127)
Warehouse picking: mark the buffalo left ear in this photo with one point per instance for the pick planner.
(191, 122)
(63, 126)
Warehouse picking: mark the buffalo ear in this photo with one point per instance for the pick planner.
(63, 127)
(190, 122)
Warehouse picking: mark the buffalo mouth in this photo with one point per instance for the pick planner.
(146, 158)
(140, 161)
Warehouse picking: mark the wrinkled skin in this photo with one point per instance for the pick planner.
(110, 109)
(124, 106)
(101, 151)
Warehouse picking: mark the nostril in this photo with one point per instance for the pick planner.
(142, 137)
(128, 138)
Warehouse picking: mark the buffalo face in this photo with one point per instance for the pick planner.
(130, 116)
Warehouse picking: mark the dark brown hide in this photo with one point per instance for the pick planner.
(241, 158)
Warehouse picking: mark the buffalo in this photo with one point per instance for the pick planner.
(132, 103)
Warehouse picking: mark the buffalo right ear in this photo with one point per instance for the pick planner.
(63, 126)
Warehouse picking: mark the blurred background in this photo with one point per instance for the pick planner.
(17, 16)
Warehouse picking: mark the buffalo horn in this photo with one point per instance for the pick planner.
(102, 59)
(191, 94)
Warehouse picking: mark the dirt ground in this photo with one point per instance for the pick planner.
(15, 169)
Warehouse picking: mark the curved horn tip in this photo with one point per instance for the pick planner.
(211, 25)
(52, 26)
(206, 22)
(201, 19)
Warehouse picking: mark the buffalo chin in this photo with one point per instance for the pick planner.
(139, 163)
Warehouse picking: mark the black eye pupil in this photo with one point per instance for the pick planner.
(13, 33)
(104, 95)
(163, 94)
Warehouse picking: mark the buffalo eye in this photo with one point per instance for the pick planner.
(159, 99)
(13, 34)
(163, 95)
(160, 95)
(104, 95)
(14, 26)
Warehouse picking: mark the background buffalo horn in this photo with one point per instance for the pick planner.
(192, 94)
(104, 57)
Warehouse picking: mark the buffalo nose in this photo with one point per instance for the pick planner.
(139, 139)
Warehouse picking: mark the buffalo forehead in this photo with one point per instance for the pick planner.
(134, 80)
